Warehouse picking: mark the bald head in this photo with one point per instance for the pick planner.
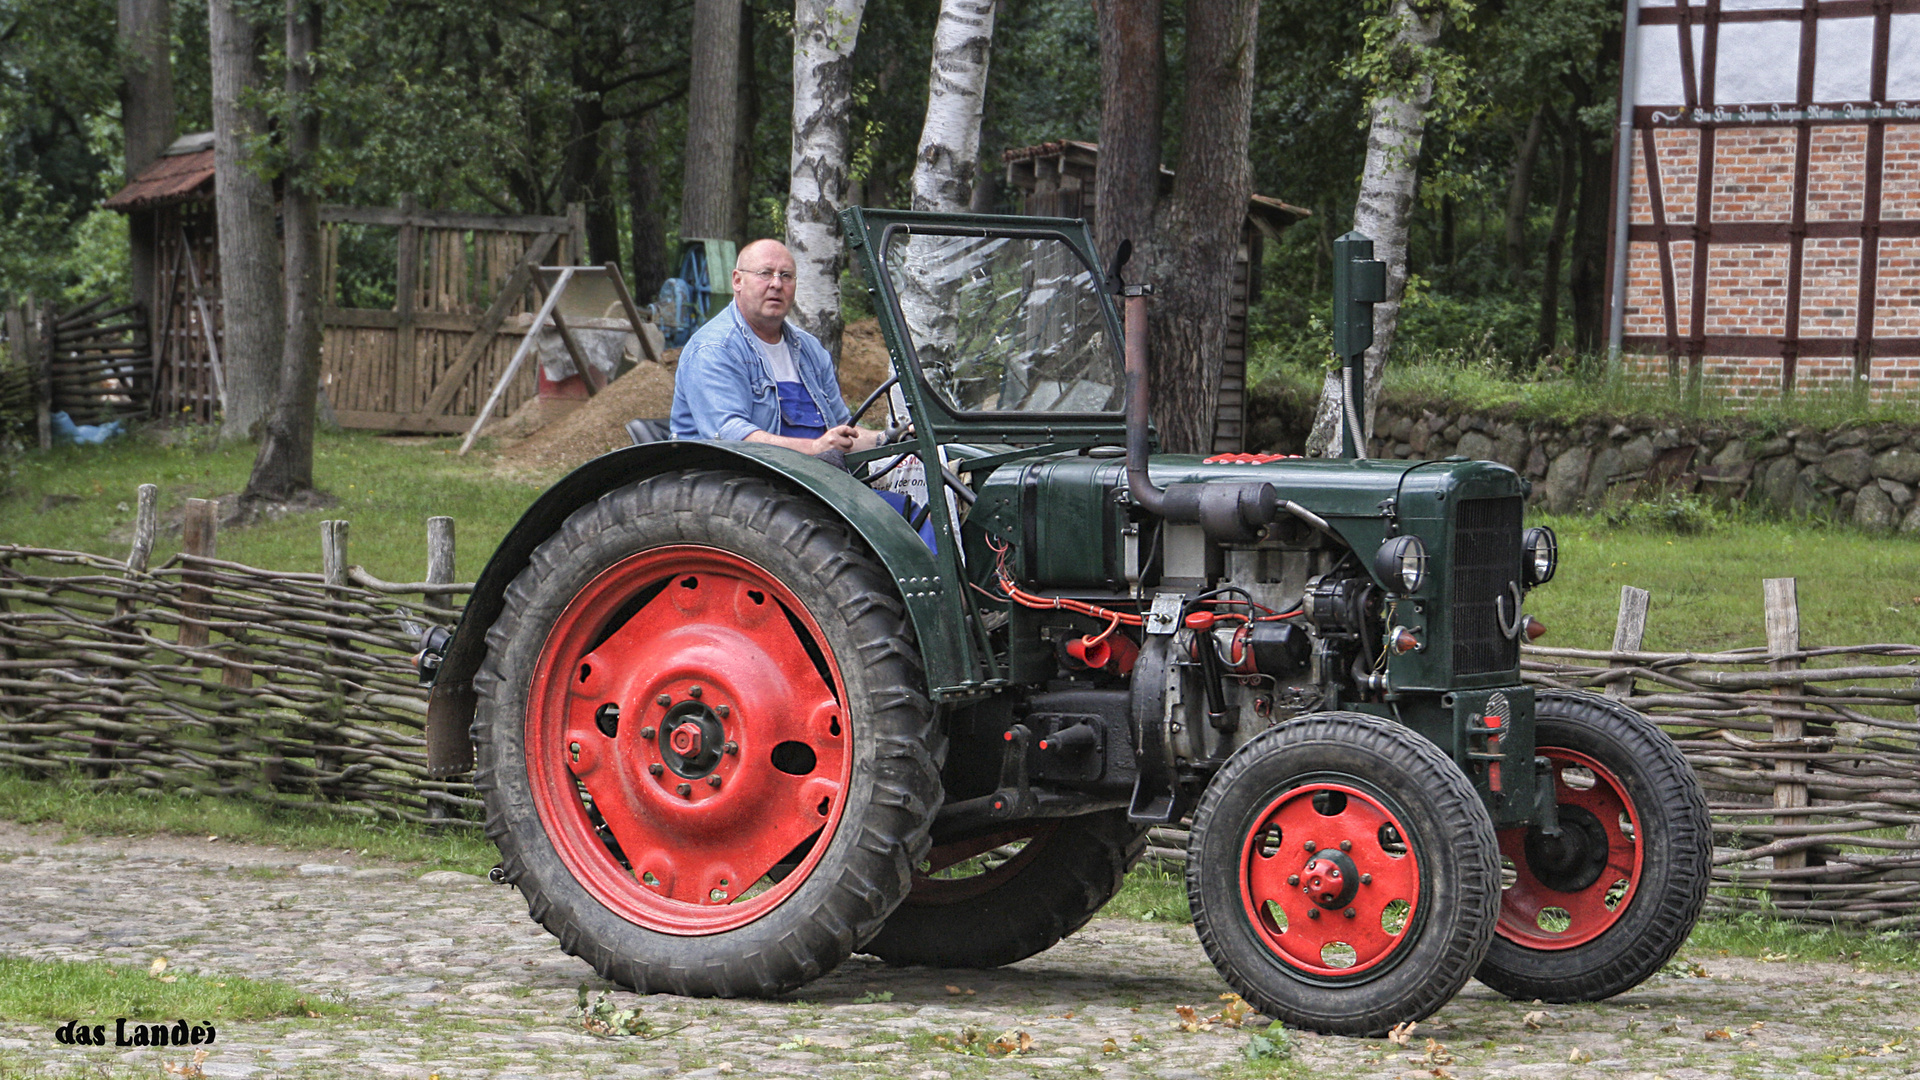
(763, 286)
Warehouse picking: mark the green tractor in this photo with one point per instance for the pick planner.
(736, 718)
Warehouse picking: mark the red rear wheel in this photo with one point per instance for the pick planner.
(703, 739)
(700, 736)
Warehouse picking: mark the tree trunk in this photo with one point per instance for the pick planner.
(1384, 208)
(147, 119)
(1520, 194)
(824, 35)
(643, 192)
(1198, 231)
(1549, 333)
(949, 151)
(252, 314)
(1587, 269)
(745, 127)
(284, 467)
(707, 202)
(1132, 65)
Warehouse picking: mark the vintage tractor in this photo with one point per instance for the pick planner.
(736, 718)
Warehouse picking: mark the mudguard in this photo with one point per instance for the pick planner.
(451, 704)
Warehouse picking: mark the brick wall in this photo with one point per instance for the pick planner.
(1747, 283)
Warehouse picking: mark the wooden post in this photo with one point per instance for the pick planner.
(146, 522)
(439, 562)
(199, 535)
(1629, 631)
(576, 234)
(39, 358)
(333, 553)
(405, 362)
(1783, 640)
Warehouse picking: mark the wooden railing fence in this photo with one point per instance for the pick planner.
(297, 689)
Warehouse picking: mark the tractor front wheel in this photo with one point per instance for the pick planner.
(1597, 909)
(1343, 874)
(703, 739)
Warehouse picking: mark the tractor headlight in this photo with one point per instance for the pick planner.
(1540, 555)
(1402, 564)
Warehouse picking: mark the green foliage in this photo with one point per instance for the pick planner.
(1676, 512)
(1764, 936)
(87, 809)
(1152, 893)
(49, 991)
(1271, 1044)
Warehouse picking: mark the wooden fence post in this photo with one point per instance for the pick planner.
(199, 535)
(1783, 641)
(1629, 631)
(146, 522)
(439, 561)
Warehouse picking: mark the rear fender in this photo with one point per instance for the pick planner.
(451, 705)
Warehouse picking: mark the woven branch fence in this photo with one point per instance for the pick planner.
(202, 675)
(297, 690)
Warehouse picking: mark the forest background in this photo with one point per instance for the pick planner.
(524, 106)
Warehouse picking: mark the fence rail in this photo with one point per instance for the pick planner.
(297, 689)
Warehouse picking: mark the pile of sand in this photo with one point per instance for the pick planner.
(646, 392)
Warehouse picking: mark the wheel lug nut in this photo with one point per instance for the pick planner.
(1293, 879)
(722, 711)
(1366, 879)
(685, 790)
(1346, 845)
(1348, 913)
(646, 733)
(656, 769)
(1313, 913)
(663, 701)
(713, 781)
(1312, 847)
(729, 747)
(695, 690)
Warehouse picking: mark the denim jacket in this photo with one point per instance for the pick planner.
(723, 390)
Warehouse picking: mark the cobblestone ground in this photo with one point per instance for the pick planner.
(446, 975)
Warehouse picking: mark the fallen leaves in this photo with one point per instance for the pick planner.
(957, 991)
(1274, 1044)
(605, 1019)
(156, 970)
(1232, 1015)
(1717, 1035)
(1437, 1054)
(189, 1069)
(1402, 1032)
(1578, 1056)
(1535, 1020)
(974, 1044)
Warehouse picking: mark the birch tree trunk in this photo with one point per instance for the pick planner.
(1385, 205)
(956, 94)
(824, 35)
(251, 301)
(147, 120)
(283, 470)
(708, 197)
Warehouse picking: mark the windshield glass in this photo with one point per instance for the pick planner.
(1006, 324)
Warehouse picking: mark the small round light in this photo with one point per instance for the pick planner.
(1401, 564)
(1540, 555)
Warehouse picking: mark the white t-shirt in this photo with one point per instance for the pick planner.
(779, 359)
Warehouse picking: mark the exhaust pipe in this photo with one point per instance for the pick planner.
(1228, 512)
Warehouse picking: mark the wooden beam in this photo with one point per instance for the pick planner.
(1629, 632)
(633, 313)
(519, 355)
(1783, 640)
(476, 347)
(444, 219)
(407, 272)
(373, 420)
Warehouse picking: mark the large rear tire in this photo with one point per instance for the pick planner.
(1343, 874)
(703, 738)
(997, 899)
(1595, 911)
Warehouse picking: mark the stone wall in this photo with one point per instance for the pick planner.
(1867, 476)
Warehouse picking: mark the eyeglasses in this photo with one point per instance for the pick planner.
(767, 276)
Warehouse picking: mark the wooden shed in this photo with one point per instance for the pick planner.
(420, 306)
(1056, 179)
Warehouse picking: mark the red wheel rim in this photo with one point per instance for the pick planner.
(1542, 911)
(1330, 882)
(722, 779)
(929, 890)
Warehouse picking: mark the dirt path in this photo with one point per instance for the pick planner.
(448, 976)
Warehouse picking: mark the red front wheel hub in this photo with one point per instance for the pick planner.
(1329, 880)
(688, 759)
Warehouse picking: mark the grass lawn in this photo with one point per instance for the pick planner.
(58, 990)
(83, 497)
(1854, 588)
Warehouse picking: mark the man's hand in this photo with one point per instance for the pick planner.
(844, 438)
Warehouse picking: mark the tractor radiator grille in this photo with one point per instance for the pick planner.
(1486, 562)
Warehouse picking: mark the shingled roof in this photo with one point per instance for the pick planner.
(183, 174)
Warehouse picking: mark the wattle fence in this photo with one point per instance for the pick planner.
(297, 690)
